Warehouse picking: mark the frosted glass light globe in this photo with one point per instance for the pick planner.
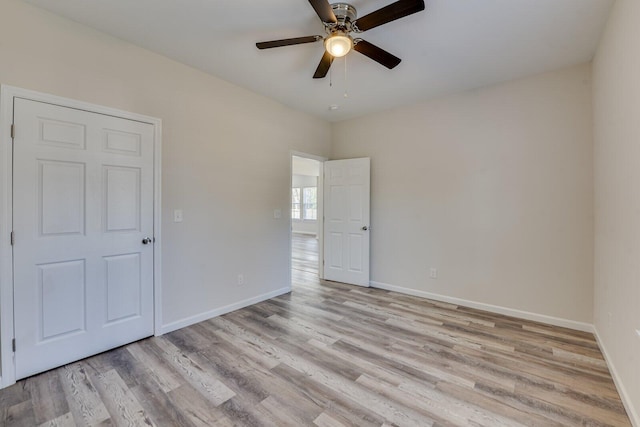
(338, 45)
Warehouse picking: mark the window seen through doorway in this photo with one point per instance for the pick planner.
(304, 203)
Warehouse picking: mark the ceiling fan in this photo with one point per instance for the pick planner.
(340, 21)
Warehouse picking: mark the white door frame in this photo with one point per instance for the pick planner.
(320, 219)
(7, 94)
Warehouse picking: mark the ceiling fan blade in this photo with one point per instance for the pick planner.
(324, 10)
(389, 13)
(379, 55)
(323, 66)
(287, 42)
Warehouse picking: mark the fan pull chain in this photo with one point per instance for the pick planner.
(346, 95)
(330, 77)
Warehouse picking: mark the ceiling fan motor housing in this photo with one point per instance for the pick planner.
(344, 11)
(345, 15)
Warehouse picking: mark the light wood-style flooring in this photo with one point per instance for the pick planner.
(304, 256)
(330, 354)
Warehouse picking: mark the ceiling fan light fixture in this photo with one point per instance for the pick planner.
(340, 20)
(338, 44)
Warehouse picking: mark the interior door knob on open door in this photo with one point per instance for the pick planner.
(365, 228)
(147, 240)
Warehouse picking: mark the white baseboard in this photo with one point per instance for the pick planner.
(179, 324)
(624, 395)
(542, 318)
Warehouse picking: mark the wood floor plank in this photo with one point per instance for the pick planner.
(13, 395)
(495, 404)
(585, 412)
(166, 377)
(195, 407)
(64, 420)
(535, 371)
(348, 411)
(120, 401)
(250, 354)
(285, 417)
(301, 328)
(159, 406)
(210, 386)
(327, 420)
(47, 397)
(19, 415)
(84, 401)
(241, 413)
(253, 386)
(188, 339)
(457, 411)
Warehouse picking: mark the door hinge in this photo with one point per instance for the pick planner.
(13, 238)
(13, 345)
(13, 131)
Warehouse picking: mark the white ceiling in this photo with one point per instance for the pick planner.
(452, 46)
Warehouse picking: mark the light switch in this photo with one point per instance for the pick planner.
(177, 215)
(277, 213)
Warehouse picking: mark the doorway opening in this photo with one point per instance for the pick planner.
(306, 219)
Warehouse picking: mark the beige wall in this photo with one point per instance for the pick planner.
(492, 187)
(616, 97)
(226, 152)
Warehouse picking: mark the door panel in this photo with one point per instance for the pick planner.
(119, 142)
(123, 286)
(61, 299)
(356, 249)
(83, 202)
(338, 208)
(122, 198)
(335, 251)
(347, 193)
(62, 134)
(61, 188)
(355, 203)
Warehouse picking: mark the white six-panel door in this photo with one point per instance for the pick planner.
(83, 203)
(346, 223)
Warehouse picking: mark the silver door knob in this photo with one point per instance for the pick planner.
(365, 228)
(147, 240)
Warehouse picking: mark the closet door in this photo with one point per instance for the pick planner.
(83, 224)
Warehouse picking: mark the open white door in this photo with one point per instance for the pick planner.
(83, 222)
(346, 224)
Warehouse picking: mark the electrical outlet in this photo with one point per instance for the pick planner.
(277, 213)
(433, 273)
(177, 215)
(240, 279)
